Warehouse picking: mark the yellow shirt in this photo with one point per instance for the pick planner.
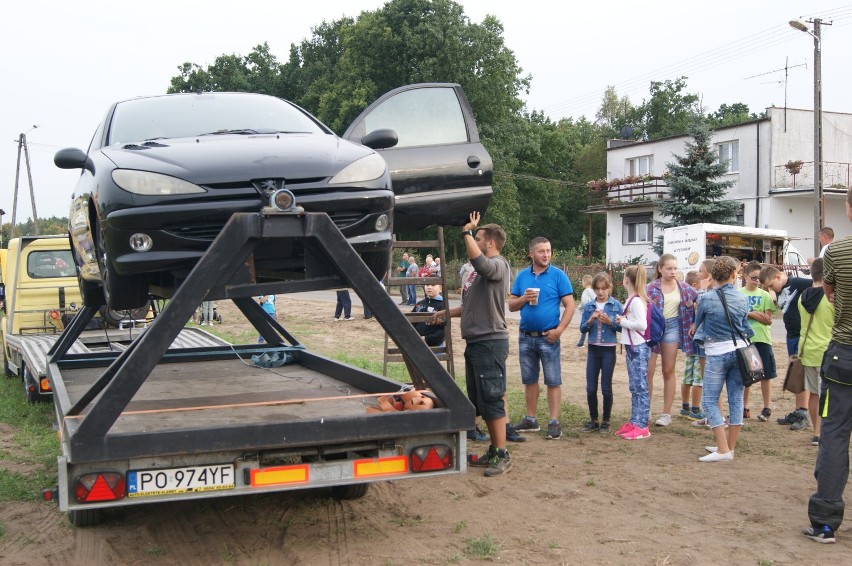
(671, 302)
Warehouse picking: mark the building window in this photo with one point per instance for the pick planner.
(640, 166)
(637, 228)
(741, 215)
(729, 153)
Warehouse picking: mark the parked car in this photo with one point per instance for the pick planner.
(164, 173)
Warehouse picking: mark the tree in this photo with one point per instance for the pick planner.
(736, 113)
(615, 113)
(669, 111)
(695, 194)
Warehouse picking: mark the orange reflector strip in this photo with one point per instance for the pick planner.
(280, 475)
(381, 466)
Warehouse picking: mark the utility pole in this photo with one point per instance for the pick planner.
(22, 147)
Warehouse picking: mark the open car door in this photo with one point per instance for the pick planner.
(439, 169)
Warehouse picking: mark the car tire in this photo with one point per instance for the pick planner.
(350, 491)
(85, 517)
(377, 263)
(121, 292)
(92, 293)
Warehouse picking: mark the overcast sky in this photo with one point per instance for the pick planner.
(64, 63)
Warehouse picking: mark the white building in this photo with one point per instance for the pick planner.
(757, 154)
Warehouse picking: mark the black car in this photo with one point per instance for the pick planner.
(164, 173)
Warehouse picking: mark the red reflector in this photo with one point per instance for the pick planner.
(107, 486)
(431, 458)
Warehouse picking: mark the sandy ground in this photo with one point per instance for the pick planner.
(583, 499)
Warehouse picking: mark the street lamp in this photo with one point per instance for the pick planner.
(819, 205)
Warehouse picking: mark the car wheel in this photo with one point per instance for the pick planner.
(351, 491)
(121, 292)
(85, 517)
(377, 263)
(6, 369)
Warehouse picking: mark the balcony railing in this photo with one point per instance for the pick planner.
(639, 193)
(835, 175)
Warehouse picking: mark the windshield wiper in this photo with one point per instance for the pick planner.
(242, 132)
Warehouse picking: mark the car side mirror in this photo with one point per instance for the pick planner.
(382, 138)
(73, 158)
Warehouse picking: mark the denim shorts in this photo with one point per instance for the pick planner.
(768, 358)
(536, 352)
(792, 346)
(485, 376)
(672, 330)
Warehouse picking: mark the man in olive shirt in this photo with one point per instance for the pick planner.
(825, 508)
(483, 327)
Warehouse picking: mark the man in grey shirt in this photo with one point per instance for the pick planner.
(483, 327)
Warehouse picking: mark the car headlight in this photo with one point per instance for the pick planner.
(153, 184)
(365, 169)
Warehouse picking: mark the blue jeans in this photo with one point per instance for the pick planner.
(412, 294)
(722, 371)
(535, 352)
(599, 361)
(344, 304)
(637, 376)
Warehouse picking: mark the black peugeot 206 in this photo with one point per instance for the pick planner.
(163, 174)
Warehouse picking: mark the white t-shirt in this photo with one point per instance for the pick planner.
(587, 297)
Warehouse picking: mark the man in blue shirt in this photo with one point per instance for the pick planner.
(538, 292)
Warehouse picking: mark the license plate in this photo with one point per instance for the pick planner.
(180, 480)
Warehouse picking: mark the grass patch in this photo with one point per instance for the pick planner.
(482, 547)
(35, 439)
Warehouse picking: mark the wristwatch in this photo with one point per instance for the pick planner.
(470, 233)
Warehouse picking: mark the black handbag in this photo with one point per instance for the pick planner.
(748, 358)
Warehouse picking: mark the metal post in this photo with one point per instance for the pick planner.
(819, 205)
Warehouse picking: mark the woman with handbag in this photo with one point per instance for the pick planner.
(721, 325)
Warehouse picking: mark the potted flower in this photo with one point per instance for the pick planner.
(794, 167)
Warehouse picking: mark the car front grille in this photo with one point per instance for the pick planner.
(209, 230)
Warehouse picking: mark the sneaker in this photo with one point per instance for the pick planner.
(746, 413)
(664, 420)
(716, 457)
(799, 425)
(500, 464)
(591, 426)
(554, 431)
(513, 436)
(701, 422)
(604, 427)
(526, 424)
(711, 449)
(815, 441)
(793, 417)
(764, 414)
(349, 318)
(477, 435)
(636, 433)
(626, 427)
(581, 343)
(822, 534)
(337, 319)
(695, 416)
(485, 460)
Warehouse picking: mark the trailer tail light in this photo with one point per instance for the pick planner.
(103, 486)
(394, 465)
(45, 384)
(431, 458)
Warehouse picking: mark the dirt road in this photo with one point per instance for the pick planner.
(584, 499)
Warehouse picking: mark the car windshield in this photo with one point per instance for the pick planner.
(189, 115)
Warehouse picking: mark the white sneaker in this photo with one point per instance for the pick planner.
(716, 457)
(711, 448)
(664, 420)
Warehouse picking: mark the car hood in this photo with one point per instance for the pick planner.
(234, 158)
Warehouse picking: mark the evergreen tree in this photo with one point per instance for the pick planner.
(695, 193)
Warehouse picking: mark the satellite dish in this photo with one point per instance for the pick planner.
(626, 132)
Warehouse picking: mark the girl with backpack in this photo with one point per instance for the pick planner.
(634, 322)
(676, 300)
(598, 320)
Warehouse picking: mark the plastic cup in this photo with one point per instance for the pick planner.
(534, 301)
